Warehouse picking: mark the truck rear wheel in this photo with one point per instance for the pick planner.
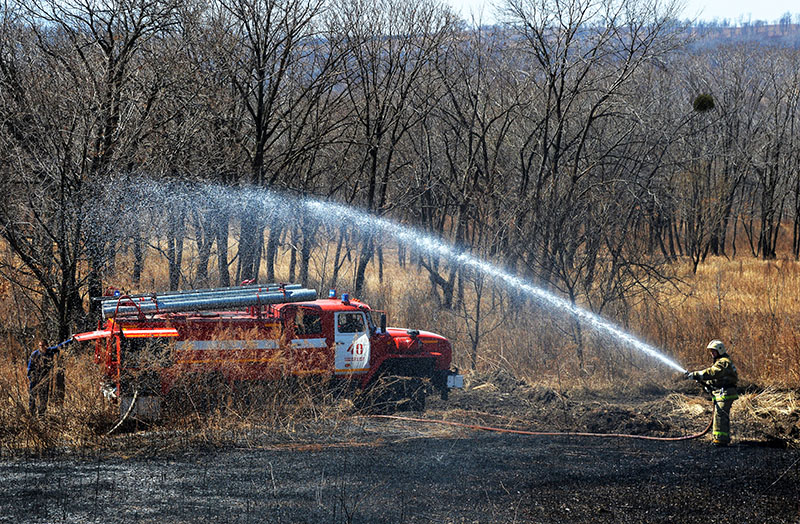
(199, 393)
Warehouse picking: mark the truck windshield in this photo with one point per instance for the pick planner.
(371, 321)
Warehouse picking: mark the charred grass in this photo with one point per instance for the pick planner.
(767, 417)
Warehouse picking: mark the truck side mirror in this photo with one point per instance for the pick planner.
(383, 322)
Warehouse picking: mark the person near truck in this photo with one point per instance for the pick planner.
(721, 377)
(40, 368)
(41, 376)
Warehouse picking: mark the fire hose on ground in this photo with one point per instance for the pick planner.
(514, 431)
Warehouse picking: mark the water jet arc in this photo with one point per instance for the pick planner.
(430, 245)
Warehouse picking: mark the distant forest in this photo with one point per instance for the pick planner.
(781, 32)
(585, 144)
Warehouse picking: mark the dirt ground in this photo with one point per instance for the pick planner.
(373, 470)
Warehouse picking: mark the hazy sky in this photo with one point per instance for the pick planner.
(768, 10)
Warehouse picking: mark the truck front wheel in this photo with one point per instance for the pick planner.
(391, 393)
(413, 395)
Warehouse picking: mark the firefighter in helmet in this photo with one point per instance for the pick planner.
(721, 376)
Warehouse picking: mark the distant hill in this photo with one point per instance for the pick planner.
(784, 33)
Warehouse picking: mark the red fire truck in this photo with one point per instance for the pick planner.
(149, 343)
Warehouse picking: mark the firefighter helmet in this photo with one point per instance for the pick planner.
(717, 345)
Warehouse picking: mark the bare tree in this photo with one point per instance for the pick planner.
(464, 150)
(389, 47)
(278, 66)
(40, 218)
(583, 58)
(97, 43)
(777, 162)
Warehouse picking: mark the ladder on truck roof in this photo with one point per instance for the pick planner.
(223, 298)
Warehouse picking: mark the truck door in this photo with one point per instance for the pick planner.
(352, 343)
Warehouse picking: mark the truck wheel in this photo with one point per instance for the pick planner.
(380, 397)
(199, 393)
(413, 395)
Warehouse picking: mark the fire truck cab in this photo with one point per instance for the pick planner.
(149, 343)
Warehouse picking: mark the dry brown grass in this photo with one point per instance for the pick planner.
(771, 415)
(282, 410)
(195, 414)
(77, 422)
(753, 305)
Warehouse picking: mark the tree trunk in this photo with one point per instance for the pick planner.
(175, 252)
(273, 242)
(204, 243)
(138, 257)
(95, 250)
(380, 264)
(293, 254)
(337, 263)
(305, 252)
(477, 331)
(221, 232)
(367, 251)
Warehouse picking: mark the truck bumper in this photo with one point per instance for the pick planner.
(445, 380)
(455, 381)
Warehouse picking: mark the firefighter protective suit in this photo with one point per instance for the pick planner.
(40, 367)
(722, 378)
(45, 378)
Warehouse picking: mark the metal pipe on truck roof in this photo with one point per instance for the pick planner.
(211, 291)
(166, 298)
(110, 304)
(161, 299)
(206, 303)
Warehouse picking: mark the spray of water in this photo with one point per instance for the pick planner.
(273, 205)
(428, 244)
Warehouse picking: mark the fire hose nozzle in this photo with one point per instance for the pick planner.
(696, 377)
(705, 385)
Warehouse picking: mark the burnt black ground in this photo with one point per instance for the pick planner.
(388, 472)
(351, 469)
